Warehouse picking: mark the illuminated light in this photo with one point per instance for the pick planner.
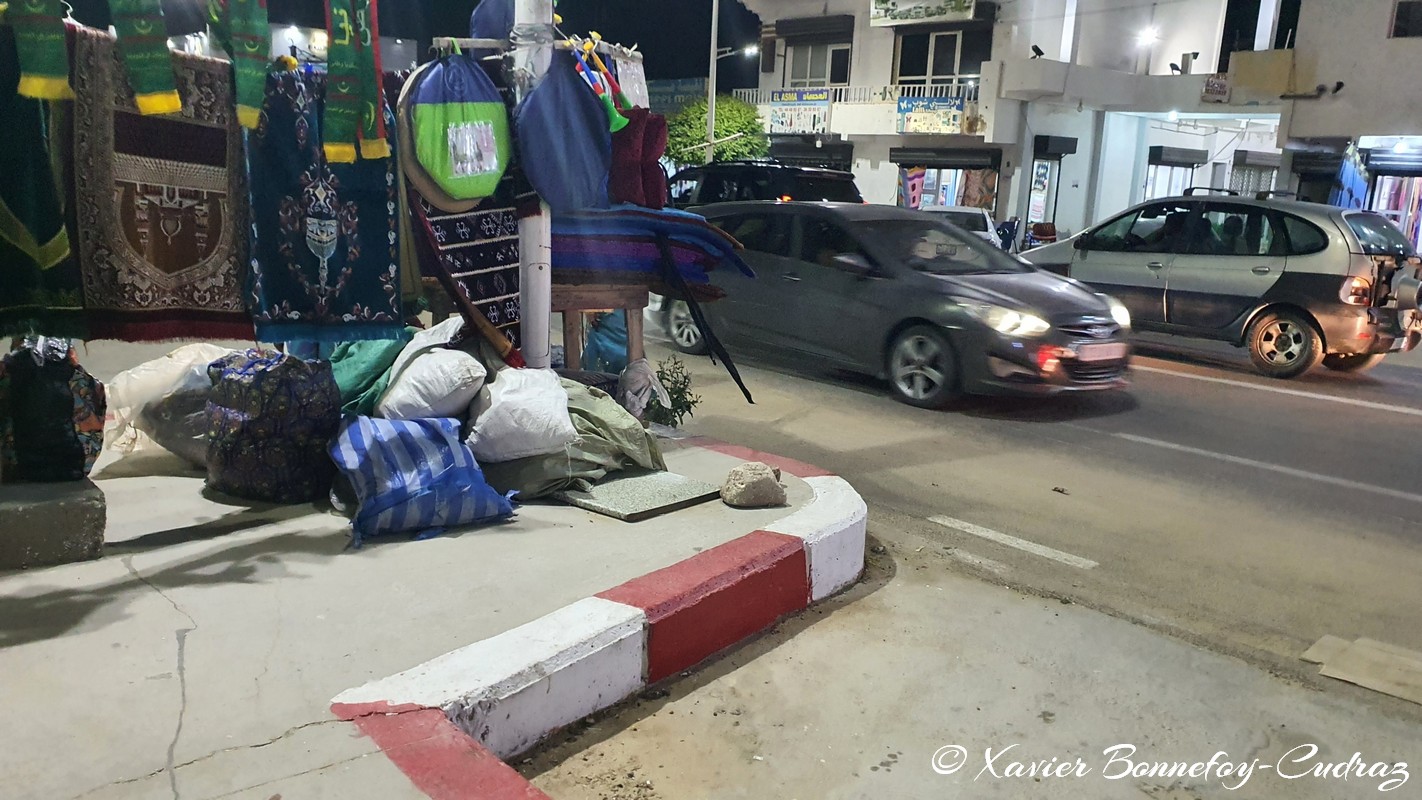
(752, 50)
(1049, 358)
(785, 198)
(319, 40)
(1173, 116)
(1401, 147)
(1148, 37)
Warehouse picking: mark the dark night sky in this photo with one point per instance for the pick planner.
(674, 35)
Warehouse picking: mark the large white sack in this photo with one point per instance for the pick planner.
(148, 383)
(428, 380)
(521, 413)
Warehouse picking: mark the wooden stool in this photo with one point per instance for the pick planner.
(572, 301)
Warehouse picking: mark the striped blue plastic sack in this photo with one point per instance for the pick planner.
(413, 476)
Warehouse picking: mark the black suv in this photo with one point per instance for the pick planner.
(726, 181)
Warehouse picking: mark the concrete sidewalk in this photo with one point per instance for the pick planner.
(199, 657)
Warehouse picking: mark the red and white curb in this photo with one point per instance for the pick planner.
(447, 723)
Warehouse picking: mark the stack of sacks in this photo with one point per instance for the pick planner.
(537, 434)
(428, 380)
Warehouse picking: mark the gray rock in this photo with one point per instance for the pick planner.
(42, 524)
(753, 485)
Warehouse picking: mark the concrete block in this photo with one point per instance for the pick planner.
(511, 690)
(42, 524)
(833, 526)
(715, 599)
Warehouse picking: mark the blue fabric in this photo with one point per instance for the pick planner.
(565, 145)
(606, 350)
(492, 19)
(413, 476)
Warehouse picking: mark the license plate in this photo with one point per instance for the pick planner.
(1109, 351)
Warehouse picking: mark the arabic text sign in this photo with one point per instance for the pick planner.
(800, 111)
(930, 115)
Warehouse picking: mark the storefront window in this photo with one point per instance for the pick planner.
(975, 188)
(1164, 180)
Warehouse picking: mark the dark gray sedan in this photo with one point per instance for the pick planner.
(905, 296)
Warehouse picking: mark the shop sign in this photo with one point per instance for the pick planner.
(667, 97)
(1217, 89)
(800, 111)
(931, 115)
(916, 12)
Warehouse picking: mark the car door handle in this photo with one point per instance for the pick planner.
(1155, 265)
(792, 278)
(1260, 270)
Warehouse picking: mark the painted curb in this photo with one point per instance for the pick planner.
(500, 696)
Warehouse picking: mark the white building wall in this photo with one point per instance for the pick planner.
(1349, 41)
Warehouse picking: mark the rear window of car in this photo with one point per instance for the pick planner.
(830, 190)
(967, 220)
(1305, 237)
(1378, 236)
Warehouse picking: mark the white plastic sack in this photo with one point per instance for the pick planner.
(149, 383)
(636, 386)
(521, 413)
(428, 381)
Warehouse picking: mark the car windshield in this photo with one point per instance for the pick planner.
(967, 220)
(1379, 237)
(828, 190)
(928, 245)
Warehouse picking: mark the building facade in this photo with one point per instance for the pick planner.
(1068, 111)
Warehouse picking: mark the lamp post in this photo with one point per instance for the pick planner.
(711, 83)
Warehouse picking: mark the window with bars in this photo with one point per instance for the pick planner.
(1252, 180)
(815, 65)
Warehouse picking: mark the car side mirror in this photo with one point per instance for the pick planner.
(855, 264)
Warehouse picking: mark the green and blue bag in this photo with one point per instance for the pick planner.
(461, 128)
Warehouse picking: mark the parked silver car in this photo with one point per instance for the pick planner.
(1294, 283)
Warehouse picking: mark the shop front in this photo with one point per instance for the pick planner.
(947, 177)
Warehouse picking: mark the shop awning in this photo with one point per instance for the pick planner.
(946, 158)
(1178, 157)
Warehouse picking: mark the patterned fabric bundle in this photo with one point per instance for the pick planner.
(326, 253)
(51, 414)
(44, 58)
(270, 419)
(162, 202)
(413, 476)
(241, 27)
(620, 245)
(356, 96)
(143, 40)
(39, 276)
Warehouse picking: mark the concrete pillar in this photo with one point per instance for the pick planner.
(1268, 24)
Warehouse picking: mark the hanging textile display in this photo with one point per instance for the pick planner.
(143, 42)
(355, 95)
(326, 246)
(40, 41)
(162, 202)
(40, 287)
(242, 29)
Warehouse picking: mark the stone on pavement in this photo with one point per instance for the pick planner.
(753, 485)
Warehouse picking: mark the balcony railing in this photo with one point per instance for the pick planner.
(964, 86)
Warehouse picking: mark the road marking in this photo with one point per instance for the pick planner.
(1014, 542)
(1282, 470)
(1348, 401)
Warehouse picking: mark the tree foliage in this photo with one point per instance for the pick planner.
(686, 131)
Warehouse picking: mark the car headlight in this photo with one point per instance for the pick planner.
(1119, 312)
(1006, 321)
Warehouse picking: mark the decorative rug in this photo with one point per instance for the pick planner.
(326, 254)
(162, 203)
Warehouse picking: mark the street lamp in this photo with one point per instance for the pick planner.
(747, 51)
(711, 83)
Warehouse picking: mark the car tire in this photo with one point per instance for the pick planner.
(923, 368)
(1356, 364)
(681, 328)
(1283, 344)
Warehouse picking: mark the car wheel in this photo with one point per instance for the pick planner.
(1284, 345)
(923, 369)
(1352, 363)
(681, 328)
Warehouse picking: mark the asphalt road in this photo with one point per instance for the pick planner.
(1246, 515)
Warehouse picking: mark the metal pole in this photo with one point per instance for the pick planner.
(532, 55)
(711, 83)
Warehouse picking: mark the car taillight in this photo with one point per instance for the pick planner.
(785, 198)
(1357, 291)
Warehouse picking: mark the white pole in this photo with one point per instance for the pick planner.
(532, 55)
(711, 84)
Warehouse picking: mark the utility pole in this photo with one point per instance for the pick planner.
(711, 83)
(532, 56)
